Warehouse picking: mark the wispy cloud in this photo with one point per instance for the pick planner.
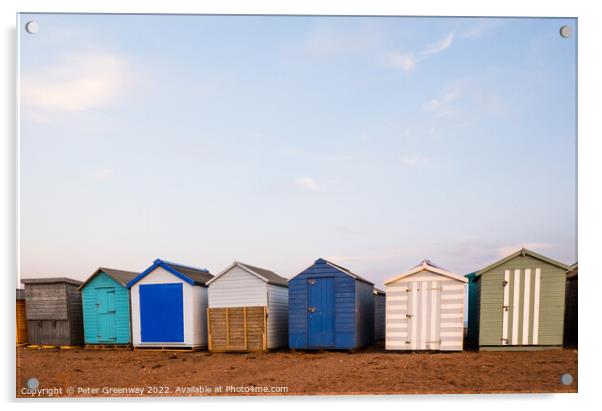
(414, 160)
(480, 28)
(77, 82)
(408, 61)
(443, 105)
(306, 183)
(439, 46)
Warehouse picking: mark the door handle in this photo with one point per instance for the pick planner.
(311, 309)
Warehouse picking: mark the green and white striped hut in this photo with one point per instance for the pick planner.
(517, 303)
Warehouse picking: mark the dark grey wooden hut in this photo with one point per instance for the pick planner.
(570, 308)
(54, 311)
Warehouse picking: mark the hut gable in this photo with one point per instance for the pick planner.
(262, 274)
(121, 277)
(191, 275)
(237, 287)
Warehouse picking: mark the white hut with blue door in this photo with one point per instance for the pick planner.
(330, 308)
(106, 307)
(169, 306)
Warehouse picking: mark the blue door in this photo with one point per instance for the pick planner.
(320, 312)
(106, 329)
(162, 313)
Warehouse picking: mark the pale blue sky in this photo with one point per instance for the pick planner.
(374, 142)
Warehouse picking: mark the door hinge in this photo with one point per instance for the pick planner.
(408, 315)
(311, 281)
(505, 307)
(504, 283)
(311, 309)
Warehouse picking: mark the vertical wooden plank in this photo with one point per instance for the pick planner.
(227, 328)
(209, 328)
(506, 307)
(244, 319)
(515, 306)
(536, 306)
(526, 305)
(265, 329)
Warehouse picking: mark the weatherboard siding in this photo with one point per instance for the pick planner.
(277, 316)
(238, 288)
(353, 313)
(550, 317)
(440, 314)
(122, 309)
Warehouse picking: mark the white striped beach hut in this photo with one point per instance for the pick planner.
(425, 309)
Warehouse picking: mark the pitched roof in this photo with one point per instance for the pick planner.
(344, 270)
(428, 266)
(121, 276)
(522, 252)
(51, 280)
(192, 275)
(376, 291)
(268, 276)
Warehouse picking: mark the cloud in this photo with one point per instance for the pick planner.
(440, 45)
(414, 160)
(480, 28)
(443, 105)
(307, 183)
(408, 61)
(76, 82)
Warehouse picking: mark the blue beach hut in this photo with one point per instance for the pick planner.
(106, 307)
(330, 308)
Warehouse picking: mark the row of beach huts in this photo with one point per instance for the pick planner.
(524, 301)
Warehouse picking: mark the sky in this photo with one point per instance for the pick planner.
(374, 142)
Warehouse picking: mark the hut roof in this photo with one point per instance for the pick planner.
(377, 291)
(52, 280)
(428, 266)
(121, 276)
(192, 275)
(573, 271)
(263, 274)
(522, 252)
(344, 270)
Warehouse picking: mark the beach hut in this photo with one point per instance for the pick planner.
(517, 303)
(425, 309)
(53, 309)
(379, 314)
(106, 307)
(248, 309)
(570, 310)
(330, 308)
(21, 317)
(169, 306)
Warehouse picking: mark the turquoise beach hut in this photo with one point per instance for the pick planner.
(106, 307)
